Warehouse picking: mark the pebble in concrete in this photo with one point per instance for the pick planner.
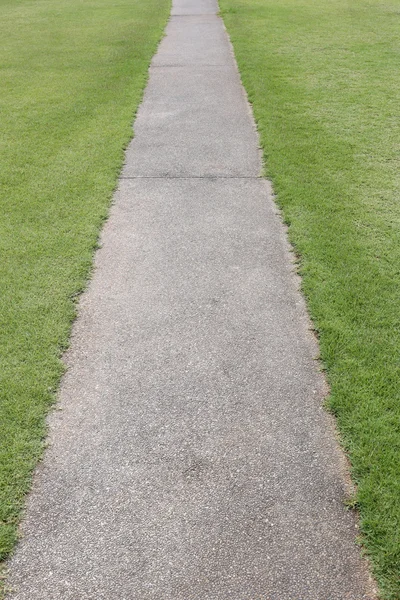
(191, 458)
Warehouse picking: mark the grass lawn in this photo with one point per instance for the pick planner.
(72, 75)
(324, 80)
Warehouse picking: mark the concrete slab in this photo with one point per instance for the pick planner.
(191, 457)
(194, 41)
(193, 122)
(194, 7)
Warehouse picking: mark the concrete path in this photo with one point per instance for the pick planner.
(191, 458)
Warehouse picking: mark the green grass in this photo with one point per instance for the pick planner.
(72, 75)
(324, 80)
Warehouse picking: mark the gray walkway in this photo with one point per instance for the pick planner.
(191, 459)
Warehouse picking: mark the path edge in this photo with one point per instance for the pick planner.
(294, 259)
(64, 351)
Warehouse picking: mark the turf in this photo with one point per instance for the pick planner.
(323, 77)
(72, 77)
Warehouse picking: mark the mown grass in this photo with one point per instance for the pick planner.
(72, 75)
(324, 80)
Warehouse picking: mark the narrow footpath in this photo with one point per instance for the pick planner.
(191, 458)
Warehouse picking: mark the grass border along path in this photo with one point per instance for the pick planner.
(323, 79)
(72, 77)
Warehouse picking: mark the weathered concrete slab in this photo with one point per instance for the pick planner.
(191, 458)
(193, 41)
(194, 7)
(194, 123)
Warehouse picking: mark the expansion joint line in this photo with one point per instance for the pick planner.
(211, 177)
